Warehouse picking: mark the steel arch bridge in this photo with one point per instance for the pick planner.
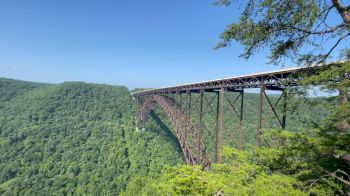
(177, 101)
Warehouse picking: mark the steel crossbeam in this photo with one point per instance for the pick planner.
(181, 112)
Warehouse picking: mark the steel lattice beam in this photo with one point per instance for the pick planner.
(279, 78)
(178, 109)
(185, 131)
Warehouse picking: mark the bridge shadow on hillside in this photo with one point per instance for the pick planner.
(165, 131)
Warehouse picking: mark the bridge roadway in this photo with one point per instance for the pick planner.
(272, 78)
(190, 134)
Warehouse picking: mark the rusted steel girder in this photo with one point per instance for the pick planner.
(260, 112)
(220, 124)
(238, 114)
(241, 134)
(274, 78)
(279, 78)
(185, 131)
(191, 138)
(281, 122)
(201, 122)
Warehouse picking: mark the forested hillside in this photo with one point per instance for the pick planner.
(74, 138)
(80, 138)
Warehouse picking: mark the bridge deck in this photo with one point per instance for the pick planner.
(179, 110)
(277, 78)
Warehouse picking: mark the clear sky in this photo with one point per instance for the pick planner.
(139, 43)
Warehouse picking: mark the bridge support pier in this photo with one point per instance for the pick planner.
(281, 122)
(284, 114)
(238, 113)
(139, 103)
(219, 124)
(260, 112)
(201, 116)
(241, 134)
(191, 136)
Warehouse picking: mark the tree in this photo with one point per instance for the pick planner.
(290, 27)
(240, 174)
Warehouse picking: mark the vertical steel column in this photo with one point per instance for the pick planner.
(178, 102)
(188, 111)
(138, 115)
(219, 123)
(172, 96)
(187, 106)
(217, 128)
(189, 102)
(140, 101)
(181, 101)
(261, 104)
(284, 114)
(201, 116)
(284, 109)
(169, 95)
(241, 136)
(175, 101)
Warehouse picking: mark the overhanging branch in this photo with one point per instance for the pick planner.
(334, 46)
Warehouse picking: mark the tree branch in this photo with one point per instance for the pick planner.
(334, 46)
(325, 17)
(343, 11)
(333, 29)
(334, 175)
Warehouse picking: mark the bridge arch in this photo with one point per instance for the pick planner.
(188, 136)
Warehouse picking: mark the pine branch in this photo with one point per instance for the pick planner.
(334, 175)
(334, 46)
(332, 30)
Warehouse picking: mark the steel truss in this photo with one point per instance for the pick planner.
(210, 98)
(185, 131)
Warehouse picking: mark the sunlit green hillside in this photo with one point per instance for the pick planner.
(74, 138)
(81, 138)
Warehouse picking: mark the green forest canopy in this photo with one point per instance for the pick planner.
(80, 138)
(74, 138)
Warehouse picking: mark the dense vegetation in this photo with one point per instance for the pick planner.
(74, 138)
(79, 138)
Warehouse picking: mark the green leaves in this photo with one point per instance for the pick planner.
(74, 138)
(241, 177)
(284, 28)
(296, 168)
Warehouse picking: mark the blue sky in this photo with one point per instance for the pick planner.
(136, 43)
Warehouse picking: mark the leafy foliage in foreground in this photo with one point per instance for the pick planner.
(286, 27)
(291, 169)
(239, 176)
